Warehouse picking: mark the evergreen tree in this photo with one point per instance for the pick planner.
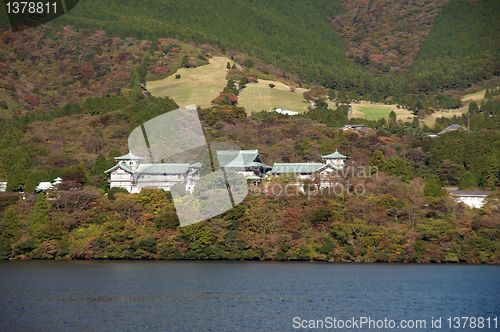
(9, 233)
(100, 166)
(392, 118)
(473, 108)
(433, 187)
(487, 94)
(15, 176)
(399, 167)
(34, 179)
(490, 177)
(378, 161)
(40, 217)
(467, 180)
(228, 65)
(415, 123)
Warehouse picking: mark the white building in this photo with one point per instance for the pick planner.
(472, 198)
(244, 162)
(324, 173)
(357, 127)
(285, 112)
(302, 171)
(131, 174)
(3, 187)
(335, 159)
(45, 185)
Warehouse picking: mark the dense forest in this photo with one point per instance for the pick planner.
(386, 35)
(404, 213)
(460, 49)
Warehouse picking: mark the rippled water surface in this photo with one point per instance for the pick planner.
(233, 296)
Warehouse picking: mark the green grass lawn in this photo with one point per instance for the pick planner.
(374, 112)
(259, 96)
(195, 86)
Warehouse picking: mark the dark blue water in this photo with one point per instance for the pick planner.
(234, 296)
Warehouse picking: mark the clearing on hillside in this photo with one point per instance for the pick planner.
(430, 120)
(256, 97)
(371, 111)
(195, 86)
(475, 96)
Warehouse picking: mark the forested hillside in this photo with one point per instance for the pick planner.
(70, 96)
(386, 35)
(461, 48)
(35, 63)
(403, 214)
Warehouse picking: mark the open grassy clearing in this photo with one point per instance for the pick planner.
(261, 97)
(475, 96)
(195, 86)
(430, 120)
(372, 111)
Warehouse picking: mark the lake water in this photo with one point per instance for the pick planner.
(235, 296)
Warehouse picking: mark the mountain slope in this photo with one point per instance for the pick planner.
(461, 48)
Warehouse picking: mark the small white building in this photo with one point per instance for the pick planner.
(131, 174)
(335, 159)
(472, 198)
(285, 112)
(3, 187)
(357, 127)
(45, 185)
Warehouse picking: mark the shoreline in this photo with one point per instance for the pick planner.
(248, 261)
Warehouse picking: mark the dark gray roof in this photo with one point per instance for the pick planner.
(452, 127)
(469, 192)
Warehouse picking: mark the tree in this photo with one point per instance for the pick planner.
(228, 65)
(40, 217)
(392, 118)
(248, 63)
(433, 187)
(467, 180)
(450, 171)
(399, 167)
(16, 176)
(101, 164)
(490, 176)
(321, 104)
(185, 62)
(9, 232)
(113, 191)
(473, 108)
(378, 160)
(415, 122)
(34, 179)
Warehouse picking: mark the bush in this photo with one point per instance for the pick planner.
(167, 219)
(113, 191)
